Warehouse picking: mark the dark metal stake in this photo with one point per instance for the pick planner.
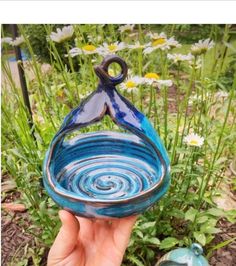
(23, 83)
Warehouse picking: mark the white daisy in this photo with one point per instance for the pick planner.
(126, 28)
(63, 34)
(173, 43)
(198, 63)
(154, 79)
(131, 85)
(133, 35)
(17, 41)
(161, 43)
(192, 99)
(150, 78)
(86, 49)
(202, 46)
(6, 40)
(94, 39)
(199, 98)
(221, 94)
(155, 36)
(136, 45)
(112, 48)
(194, 140)
(164, 82)
(180, 57)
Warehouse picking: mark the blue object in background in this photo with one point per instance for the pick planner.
(25, 57)
(107, 174)
(184, 257)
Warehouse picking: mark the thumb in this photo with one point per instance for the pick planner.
(66, 239)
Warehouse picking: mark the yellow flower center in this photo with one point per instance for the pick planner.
(158, 41)
(193, 142)
(112, 47)
(60, 93)
(89, 48)
(130, 84)
(152, 76)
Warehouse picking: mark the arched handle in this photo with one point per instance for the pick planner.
(102, 70)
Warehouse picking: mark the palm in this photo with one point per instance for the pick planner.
(97, 242)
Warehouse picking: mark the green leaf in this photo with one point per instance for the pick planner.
(200, 237)
(202, 219)
(216, 212)
(210, 230)
(168, 242)
(220, 245)
(150, 254)
(191, 214)
(135, 260)
(147, 225)
(177, 213)
(139, 233)
(208, 226)
(209, 238)
(153, 240)
(42, 206)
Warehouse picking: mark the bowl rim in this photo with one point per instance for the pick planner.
(74, 197)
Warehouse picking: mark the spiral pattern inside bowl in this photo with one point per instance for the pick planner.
(107, 165)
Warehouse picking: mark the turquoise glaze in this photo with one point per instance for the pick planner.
(184, 257)
(106, 174)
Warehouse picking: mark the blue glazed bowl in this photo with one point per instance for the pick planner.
(106, 174)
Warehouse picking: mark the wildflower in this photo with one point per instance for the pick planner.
(61, 93)
(86, 49)
(198, 98)
(94, 39)
(154, 79)
(89, 49)
(160, 41)
(6, 40)
(180, 57)
(192, 99)
(165, 82)
(17, 41)
(197, 64)
(172, 43)
(194, 140)
(131, 85)
(63, 34)
(136, 45)
(156, 36)
(126, 28)
(150, 77)
(221, 94)
(133, 35)
(112, 48)
(201, 47)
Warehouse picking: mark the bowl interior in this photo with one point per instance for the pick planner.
(106, 165)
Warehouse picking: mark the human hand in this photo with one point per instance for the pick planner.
(87, 242)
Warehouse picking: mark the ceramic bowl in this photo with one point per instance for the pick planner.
(106, 174)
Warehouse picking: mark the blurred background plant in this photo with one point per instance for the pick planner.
(181, 76)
